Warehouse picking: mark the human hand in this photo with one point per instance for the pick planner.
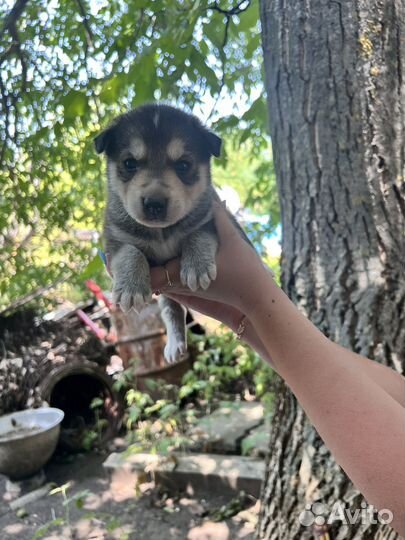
(240, 271)
(229, 315)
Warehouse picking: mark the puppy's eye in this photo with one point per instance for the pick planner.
(131, 164)
(182, 166)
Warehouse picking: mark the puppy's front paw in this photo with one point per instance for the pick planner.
(174, 350)
(131, 295)
(198, 274)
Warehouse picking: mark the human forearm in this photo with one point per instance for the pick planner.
(388, 379)
(360, 421)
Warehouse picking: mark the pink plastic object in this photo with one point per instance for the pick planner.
(99, 332)
(98, 293)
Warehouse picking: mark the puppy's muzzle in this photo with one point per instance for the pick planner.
(154, 208)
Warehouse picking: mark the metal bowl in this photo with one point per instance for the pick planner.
(27, 440)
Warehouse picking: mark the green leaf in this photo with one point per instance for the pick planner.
(134, 414)
(214, 31)
(42, 531)
(96, 403)
(154, 408)
(253, 44)
(93, 267)
(168, 410)
(249, 18)
(257, 112)
(78, 498)
(113, 524)
(185, 391)
(151, 384)
(111, 88)
(75, 104)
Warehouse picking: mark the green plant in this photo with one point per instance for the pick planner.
(110, 522)
(77, 499)
(156, 426)
(93, 437)
(233, 507)
(224, 368)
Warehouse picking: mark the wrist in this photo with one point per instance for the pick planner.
(257, 292)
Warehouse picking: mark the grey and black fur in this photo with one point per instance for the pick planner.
(159, 207)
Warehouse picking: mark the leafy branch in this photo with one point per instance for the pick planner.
(236, 10)
(242, 6)
(67, 69)
(10, 20)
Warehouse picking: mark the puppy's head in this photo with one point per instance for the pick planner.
(158, 161)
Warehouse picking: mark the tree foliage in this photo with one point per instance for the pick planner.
(66, 68)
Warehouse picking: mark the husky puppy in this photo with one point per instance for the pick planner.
(159, 207)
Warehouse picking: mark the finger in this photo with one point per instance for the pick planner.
(159, 275)
(226, 314)
(206, 307)
(225, 227)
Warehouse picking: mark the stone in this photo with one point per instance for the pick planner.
(257, 441)
(224, 429)
(18, 488)
(139, 462)
(200, 471)
(31, 497)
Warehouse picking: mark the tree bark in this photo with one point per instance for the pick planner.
(334, 79)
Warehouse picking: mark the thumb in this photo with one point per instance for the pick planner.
(226, 229)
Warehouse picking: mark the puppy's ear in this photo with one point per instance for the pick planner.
(214, 143)
(103, 140)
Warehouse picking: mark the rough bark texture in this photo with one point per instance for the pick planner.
(334, 76)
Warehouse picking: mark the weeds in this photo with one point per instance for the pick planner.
(64, 524)
(77, 499)
(224, 369)
(93, 437)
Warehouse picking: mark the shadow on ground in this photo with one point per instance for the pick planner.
(118, 507)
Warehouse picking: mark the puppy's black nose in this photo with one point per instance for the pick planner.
(154, 207)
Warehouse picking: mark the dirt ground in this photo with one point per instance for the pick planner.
(114, 509)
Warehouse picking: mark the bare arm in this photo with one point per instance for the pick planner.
(389, 380)
(355, 407)
(386, 378)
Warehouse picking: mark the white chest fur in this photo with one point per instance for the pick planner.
(166, 249)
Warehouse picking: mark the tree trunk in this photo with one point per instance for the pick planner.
(337, 115)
